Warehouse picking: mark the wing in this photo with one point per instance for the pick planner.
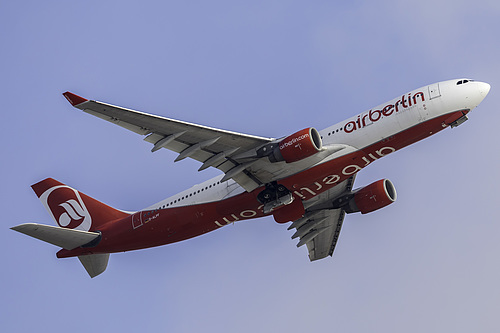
(320, 227)
(213, 147)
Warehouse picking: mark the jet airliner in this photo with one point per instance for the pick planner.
(306, 178)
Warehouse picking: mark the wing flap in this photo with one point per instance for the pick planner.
(68, 239)
(324, 243)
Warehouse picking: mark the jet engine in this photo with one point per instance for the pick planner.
(293, 148)
(372, 197)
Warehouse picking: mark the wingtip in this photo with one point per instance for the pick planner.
(74, 99)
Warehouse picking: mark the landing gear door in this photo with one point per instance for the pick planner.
(434, 91)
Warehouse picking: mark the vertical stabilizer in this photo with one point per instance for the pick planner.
(72, 209)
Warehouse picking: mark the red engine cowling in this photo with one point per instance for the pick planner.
(372, 197)
(297, 146)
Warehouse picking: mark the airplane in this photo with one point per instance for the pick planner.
(306, 178)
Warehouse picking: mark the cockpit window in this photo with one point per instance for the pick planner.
(464, 81)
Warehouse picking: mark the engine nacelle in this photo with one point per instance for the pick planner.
(293, 148)
(372, 197)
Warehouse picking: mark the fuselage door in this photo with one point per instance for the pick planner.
(137, 220)
(434, 91)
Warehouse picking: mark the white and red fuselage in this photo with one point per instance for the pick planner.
(215, 203)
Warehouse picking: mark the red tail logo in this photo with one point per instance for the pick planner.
(67, 207)
(72, 209)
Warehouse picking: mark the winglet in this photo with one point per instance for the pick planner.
(74, 99)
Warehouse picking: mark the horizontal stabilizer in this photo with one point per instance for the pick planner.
(95, 264)
(68, 239)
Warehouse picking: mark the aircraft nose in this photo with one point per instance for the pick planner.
(477, 92)
(484, 89)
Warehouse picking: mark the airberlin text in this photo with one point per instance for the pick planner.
(309, 191)
(283, 145)
(373, 116)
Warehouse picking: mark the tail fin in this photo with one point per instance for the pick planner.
(72, 209)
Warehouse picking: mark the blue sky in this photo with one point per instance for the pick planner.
(429, 262)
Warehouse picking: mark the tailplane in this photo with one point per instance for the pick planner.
(66, 238)
(69, 239)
